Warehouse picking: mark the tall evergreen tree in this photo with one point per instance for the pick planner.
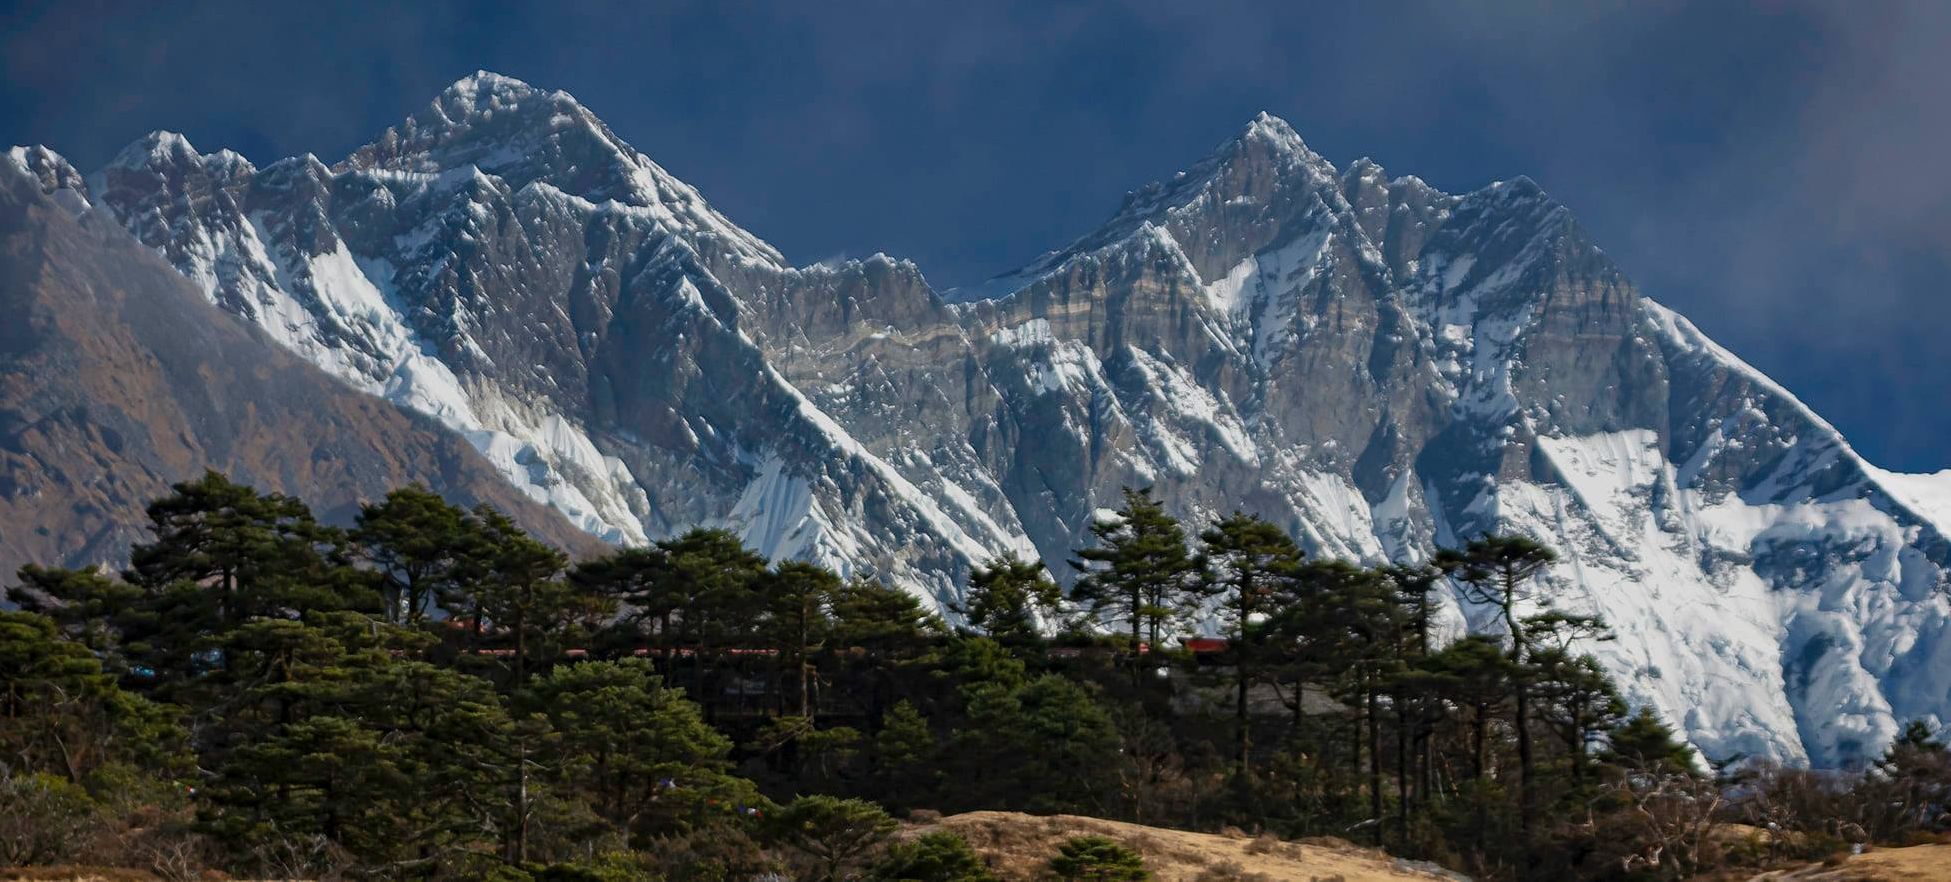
(1497, 571)
(393, 762)
(639, 580)
(1414, 589)
(1911, 786)
(1042, 746)
(223, 556)
(61, 713)
(1250, 565)
(1008, 596)
(638, 751)
(838, 834)
(1140, 572)
(517, 586)
(879, 632)
(1576, 700)
(92, 607)
(1645, 742)
(710, 575)
(797, 596)
(1574, 696)
(904, 758)
(419, 544)
(1475, 673)
(1351, 635)
(247, 553)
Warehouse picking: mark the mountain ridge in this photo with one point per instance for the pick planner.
(117, 379)
(1376, 365)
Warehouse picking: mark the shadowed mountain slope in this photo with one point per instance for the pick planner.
(117, 378)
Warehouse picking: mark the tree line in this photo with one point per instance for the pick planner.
(434, 694)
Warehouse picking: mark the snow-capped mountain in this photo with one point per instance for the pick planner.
(1379, 366)
(118, 378)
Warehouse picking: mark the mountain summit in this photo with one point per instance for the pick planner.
(525, 136)
(1380, 367)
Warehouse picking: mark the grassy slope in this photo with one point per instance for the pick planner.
(1019, 846)
(1918, 863)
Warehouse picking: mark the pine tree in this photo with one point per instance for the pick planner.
(941, 856)
(1577, 700)
(516, 584)
(1645, 742)
(249, 554)
(62, 714)
(223, 556)
(1098, 859)
(797, 596)
(418, 543)
(389, 760)
(1332, 630)
(904, 757)
(638, 751)
(837, 834)
(92, 607)
(1910, 791)
(1496, 571)
(1414, 588)
(638, 580)
(1008, 596)
(710, 576)
(466, 756)
(1475, 673)
(1140, 572)
(1574, 695)
(974, 661)
(1350, 634)
(1043, 746)
(879, 631)
(327, 774)
(1249, 565)
(887, 622)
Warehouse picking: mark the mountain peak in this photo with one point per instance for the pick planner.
(1272, 138)
(1519, 194)
(523, 135)
(481, 114)
(156, 148)
(1264, 166)
(1520, 187)
(51, 171)
(488, 81)
(483, 94)
(1275, 132)
(40, 160)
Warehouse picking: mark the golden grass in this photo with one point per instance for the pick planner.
(1018, 846)
(1917, 863)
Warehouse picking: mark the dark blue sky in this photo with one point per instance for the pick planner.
(1775, 170)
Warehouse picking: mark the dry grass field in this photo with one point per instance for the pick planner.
(1018, 847)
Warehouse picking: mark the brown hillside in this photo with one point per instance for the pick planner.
(1918, 863)
(1019, 847)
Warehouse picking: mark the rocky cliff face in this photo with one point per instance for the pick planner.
(1380, 367)
(117, 379)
